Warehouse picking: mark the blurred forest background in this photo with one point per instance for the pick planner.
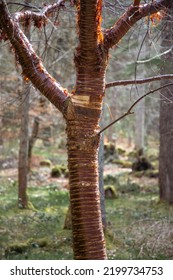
(138, 225)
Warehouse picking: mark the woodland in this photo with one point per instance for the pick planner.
(86, 128)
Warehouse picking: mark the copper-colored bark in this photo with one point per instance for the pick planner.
(82, 110)
(31, 64)
(88, 238)
(39, 18)
(133, 14)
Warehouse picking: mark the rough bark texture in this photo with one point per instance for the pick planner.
(82, 127)
(166, 117)
(101, 181)
(32, 66)
(133, 14)
(81, 109)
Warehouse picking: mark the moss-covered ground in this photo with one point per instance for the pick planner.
(138, 226)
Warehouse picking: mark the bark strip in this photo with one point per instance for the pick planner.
(88, 237)
(39, 18)
(133, 14)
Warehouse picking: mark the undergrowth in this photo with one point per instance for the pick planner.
(138, 226)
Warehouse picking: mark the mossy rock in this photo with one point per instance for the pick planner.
(121, 151)
(40, 243)
(63, 169)
(16, 248)
(110, 152)
(132, 155)
(46, 163)
(109, 149)
(56, 171)
(123, 163)
(110, 192)
(142, 163)
(152, 154)
(59, 170)
(152, 173)
(66, 173)
(138, 174)
(110, 180)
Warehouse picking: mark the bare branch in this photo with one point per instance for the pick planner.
(133, 14)
(154, 57)
(31, 64)
(39, 18)
(23, 5)
(139, 81)
(129, 111)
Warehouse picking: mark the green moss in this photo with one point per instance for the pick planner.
(59, 170)
(123, 163)
(132, 155)
(129, 188)
(111, 192)
(121, 151)
(56, 171)
(16, 248)
(110, 180)
(42, 242)
(146, 173)
(135, 220)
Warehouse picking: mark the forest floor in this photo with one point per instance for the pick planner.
(139, 227)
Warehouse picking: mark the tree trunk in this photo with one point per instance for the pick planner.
(23, 150)
(82, 108)
(139, 124)
(32, 140)
(166, 116)
(24, 140)
(88, 238)
(101, 177)
(83, 142)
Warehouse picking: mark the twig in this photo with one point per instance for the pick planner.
(154, 57)
(129, 111)
(24, 5)
(139, 81)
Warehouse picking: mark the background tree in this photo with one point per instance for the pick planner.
(166, 114)
(24, 138)
(81, 108)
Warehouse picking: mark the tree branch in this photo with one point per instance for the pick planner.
(154, 57)
(136, 2)
(134, 13)
(39, 18)
(139, 81)
(31, 64)
(129, 111)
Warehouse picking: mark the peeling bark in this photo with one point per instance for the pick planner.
(88, 238)
(82, 109)
(32, 66)
(113, 35)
